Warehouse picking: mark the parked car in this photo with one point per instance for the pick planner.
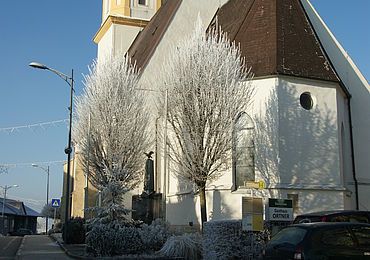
(334, 216)
(323, 240)
(22, 232)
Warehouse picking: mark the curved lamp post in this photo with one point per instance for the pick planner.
(6, 188)
(47, 192)
(68, 150)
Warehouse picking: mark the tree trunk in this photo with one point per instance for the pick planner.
(203, 203)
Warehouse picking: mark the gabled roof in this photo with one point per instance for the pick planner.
(147, 40)
(276, 37)
(17, 208)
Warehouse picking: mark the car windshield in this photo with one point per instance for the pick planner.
(290, 235)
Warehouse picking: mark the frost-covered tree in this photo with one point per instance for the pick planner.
(48, 210)
(208, 86)
(111, 131)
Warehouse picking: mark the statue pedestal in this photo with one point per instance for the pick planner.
(147, 207)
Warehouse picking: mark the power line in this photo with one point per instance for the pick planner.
(34, 125)
(5, 166)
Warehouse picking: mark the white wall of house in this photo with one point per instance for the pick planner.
(117, 40)
(308, 139)
(298, 152)
(143, 11)
(124, 35)
(105, 46)
(181, 26)
(360, 92)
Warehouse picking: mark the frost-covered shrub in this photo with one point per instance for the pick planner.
(154, 235)
(226, 240)
(187, 246)
(100, 241)
(109, 240)
(76, 231)
(128, 241)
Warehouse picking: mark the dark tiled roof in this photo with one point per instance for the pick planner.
(17, 208)
(275, 37)
(31, 212)
(145, 43)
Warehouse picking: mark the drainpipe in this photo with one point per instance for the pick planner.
(353, 152)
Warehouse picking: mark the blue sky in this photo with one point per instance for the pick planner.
(59, 34)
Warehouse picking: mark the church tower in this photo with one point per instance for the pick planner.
(122, 20)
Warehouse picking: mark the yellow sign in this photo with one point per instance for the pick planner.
(255, 184)
(252, 214)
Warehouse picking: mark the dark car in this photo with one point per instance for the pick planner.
(334, 216)
(22, 232)
(323, 240)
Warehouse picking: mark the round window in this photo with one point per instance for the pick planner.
(306, 100)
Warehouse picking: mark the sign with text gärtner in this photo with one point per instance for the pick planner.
(280, 210)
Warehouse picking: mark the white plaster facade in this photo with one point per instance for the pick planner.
(359, 89)
(303, 152)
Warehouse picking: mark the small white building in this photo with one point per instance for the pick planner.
(310, 116)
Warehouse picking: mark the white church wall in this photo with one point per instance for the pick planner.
(123, 37)
(181, 26)
(225, 204)
(309, 168)
(360, 92)
(312, 200)
(345, 154)
(308, 144)
(143, 11)
(303, 151)
(105, 46)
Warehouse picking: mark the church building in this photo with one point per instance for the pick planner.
(308, 124)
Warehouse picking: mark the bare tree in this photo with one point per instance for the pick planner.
(208, 87)
(48, 210)
(118, 133)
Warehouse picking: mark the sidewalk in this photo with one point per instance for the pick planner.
(76, 251)
(40, 247)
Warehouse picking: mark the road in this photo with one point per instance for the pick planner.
(40, 247)
(9, 247)
(30, 247)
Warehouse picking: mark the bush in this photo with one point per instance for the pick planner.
(128, 241)
(154, 236)
(76, 231)
(57, 228)
(226, 240)
(101, 241)
(109, 240)
(187, 246)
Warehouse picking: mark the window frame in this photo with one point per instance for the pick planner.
(250, 128)
(145, 3)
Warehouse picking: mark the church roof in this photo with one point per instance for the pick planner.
(145, 43)
(276, 37)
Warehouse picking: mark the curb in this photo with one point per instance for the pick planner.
(66, 250)
(20, 248)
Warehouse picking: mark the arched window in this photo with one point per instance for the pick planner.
(243, 150)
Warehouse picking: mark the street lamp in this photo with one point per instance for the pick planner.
(6, 188)
(47, 192)
(68, 150)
